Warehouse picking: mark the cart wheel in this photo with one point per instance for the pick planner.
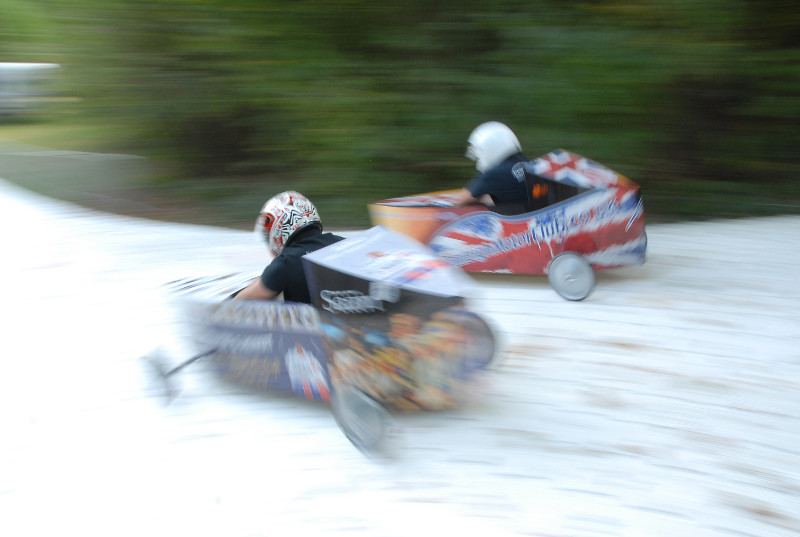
(571, 276)
(363, 420)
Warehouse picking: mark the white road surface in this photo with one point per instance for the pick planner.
(666, 404)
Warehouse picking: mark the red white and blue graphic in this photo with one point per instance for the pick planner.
(575, 170)
(307, 374)
(598, 224)
(594, 212)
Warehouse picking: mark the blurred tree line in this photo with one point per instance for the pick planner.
(351, 101)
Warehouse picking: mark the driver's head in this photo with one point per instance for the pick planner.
(490, 144)
(284, 215)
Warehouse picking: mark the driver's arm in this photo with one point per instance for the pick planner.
(256, 291)
(465, 197)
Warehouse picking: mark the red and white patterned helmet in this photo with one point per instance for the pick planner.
(283, 216)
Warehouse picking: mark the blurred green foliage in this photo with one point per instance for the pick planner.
(352, 101)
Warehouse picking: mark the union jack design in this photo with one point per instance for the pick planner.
(485, 226)
(599, 225)
(572, 169)
(586, 208)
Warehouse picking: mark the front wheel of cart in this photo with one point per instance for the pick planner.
(571, 276)
(363, 420)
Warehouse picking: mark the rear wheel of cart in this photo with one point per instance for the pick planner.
(363, 420)
(571, 276)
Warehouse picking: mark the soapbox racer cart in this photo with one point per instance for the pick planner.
(388, 332)
(579, 216)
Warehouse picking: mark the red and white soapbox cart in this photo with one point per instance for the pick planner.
(579, 216)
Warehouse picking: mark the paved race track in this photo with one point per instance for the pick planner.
(667, 404)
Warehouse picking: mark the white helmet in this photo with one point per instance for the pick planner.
(491, 143)
(283, 216)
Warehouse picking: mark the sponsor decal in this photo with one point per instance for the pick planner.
(420, 362)
(240, 343)
(282, 316)
(306, 373)
(253, 371)
(351, 301)
(478, 238)
(518, 171)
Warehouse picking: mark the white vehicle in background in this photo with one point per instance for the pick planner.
(26, 88)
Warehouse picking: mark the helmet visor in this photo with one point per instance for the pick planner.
(264, 224)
